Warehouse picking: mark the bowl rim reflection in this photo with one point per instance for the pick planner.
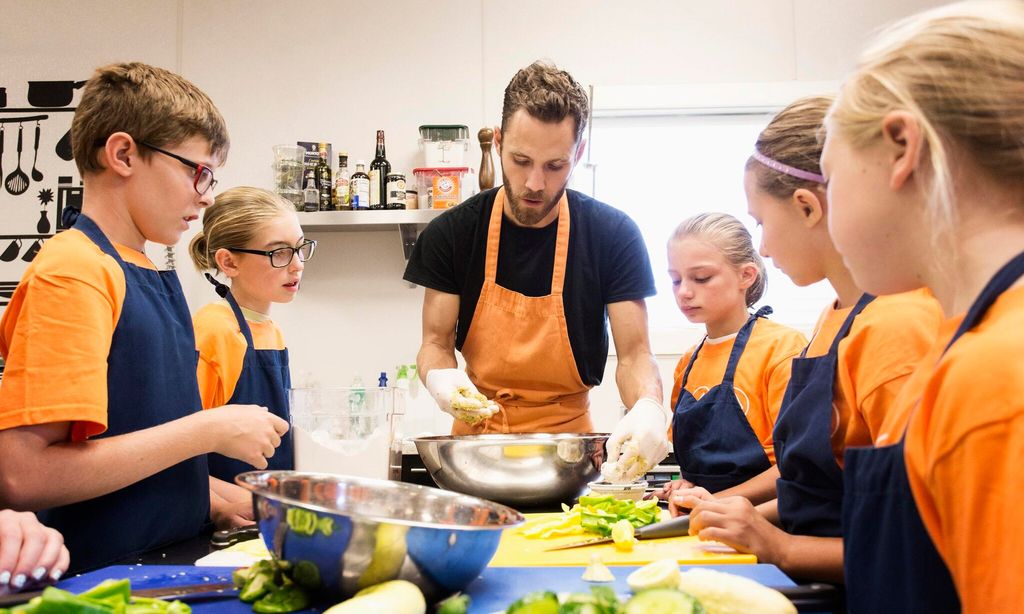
(512, 437)
(512, 517)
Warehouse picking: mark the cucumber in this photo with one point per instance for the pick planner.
(544, 602)
(663, 601)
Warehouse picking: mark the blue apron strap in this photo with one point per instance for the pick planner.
(844, 330)
(1005, 277)
(741, 343)
(88, 227)
(693, 358)
(225, 293)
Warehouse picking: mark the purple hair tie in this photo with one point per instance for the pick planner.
(786, 169)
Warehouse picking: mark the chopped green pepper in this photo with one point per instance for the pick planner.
(456, 604)
(258, 585)
(286, 599)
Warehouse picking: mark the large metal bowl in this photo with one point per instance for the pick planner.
(523, 470)
(370, 531)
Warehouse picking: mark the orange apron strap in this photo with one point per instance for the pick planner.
(493, 237)
(561, 246)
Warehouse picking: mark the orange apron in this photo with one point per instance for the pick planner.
(517, 349)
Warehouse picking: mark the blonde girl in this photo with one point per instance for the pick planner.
(729, 387)
(253, 238)
(841, 386)
(925, 162)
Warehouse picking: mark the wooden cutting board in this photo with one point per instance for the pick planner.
(516, 550)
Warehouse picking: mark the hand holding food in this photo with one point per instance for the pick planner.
(455, 394)
(637, 443)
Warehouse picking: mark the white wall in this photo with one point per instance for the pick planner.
(338, 71)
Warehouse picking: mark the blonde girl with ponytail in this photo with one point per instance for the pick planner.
(729, 387)
(252, 237)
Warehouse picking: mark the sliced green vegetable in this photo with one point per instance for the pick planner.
(542, 602)
(456, 604)
(663, 601)
(285, 599)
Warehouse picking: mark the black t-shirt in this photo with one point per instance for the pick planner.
(607, 263)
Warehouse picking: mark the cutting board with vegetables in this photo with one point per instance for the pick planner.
(517, 550)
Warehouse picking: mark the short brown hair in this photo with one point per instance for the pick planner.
(233, 220)
(151, 104)
(793, 137)
(548, 94)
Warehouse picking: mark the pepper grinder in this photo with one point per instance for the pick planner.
(486, 137)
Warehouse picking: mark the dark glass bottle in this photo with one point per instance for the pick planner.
(379, 170)
(323, 180)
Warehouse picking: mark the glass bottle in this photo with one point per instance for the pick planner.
(323, 180)
(379, 170)
(342, 198)
(360, 187)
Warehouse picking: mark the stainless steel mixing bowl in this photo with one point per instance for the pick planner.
(358, 532)
(524, 470)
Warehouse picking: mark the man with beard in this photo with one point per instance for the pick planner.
(532, 324)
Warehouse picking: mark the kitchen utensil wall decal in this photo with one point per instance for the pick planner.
(36, 174)
(52, 93)
(30, 253)
(43, 225)
(17, 182)
(12, 251)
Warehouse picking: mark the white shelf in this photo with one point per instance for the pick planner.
(366, 220)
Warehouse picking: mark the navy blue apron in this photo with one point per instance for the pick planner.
(810, 484)
(713, 441)
(264, 380)
(151, 380)
(890, 561)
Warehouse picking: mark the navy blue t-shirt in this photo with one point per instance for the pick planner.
(607, 263)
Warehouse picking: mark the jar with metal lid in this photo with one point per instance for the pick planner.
(395, 191)
(411, 198)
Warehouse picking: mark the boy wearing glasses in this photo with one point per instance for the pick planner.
(254, 239)
(100, 417)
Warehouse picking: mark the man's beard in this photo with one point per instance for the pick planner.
(528, 216)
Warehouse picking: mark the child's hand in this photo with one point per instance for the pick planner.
(735, 522)
(678, 499)
(30, 552)
(666, 490)
(248, 433)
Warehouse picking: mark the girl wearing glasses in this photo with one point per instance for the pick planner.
(253, 237)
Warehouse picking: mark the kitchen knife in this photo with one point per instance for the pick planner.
(680, 525)
(187, 592)
(230, 537)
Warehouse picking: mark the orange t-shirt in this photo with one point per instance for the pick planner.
(56, 332)
(762, 374)
(965, 455)
(222, 348)
(885, 344)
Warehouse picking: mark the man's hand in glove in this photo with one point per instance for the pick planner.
(455, 394)
(637, 443)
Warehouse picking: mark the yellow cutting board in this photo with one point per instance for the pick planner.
(516, 550)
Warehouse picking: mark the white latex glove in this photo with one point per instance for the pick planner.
(638, 442)
(455, 394)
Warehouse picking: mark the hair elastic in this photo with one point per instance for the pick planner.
(786, 169)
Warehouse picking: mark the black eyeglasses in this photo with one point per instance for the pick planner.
(203, 175)
(282, 256)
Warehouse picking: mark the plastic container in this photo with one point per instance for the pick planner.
(444, 144)
(632, 492)
(348, 430)
(288, 167)
(442, 187)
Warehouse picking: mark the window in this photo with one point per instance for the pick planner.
(661, 169)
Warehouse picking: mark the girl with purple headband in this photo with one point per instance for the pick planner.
(841, 385)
